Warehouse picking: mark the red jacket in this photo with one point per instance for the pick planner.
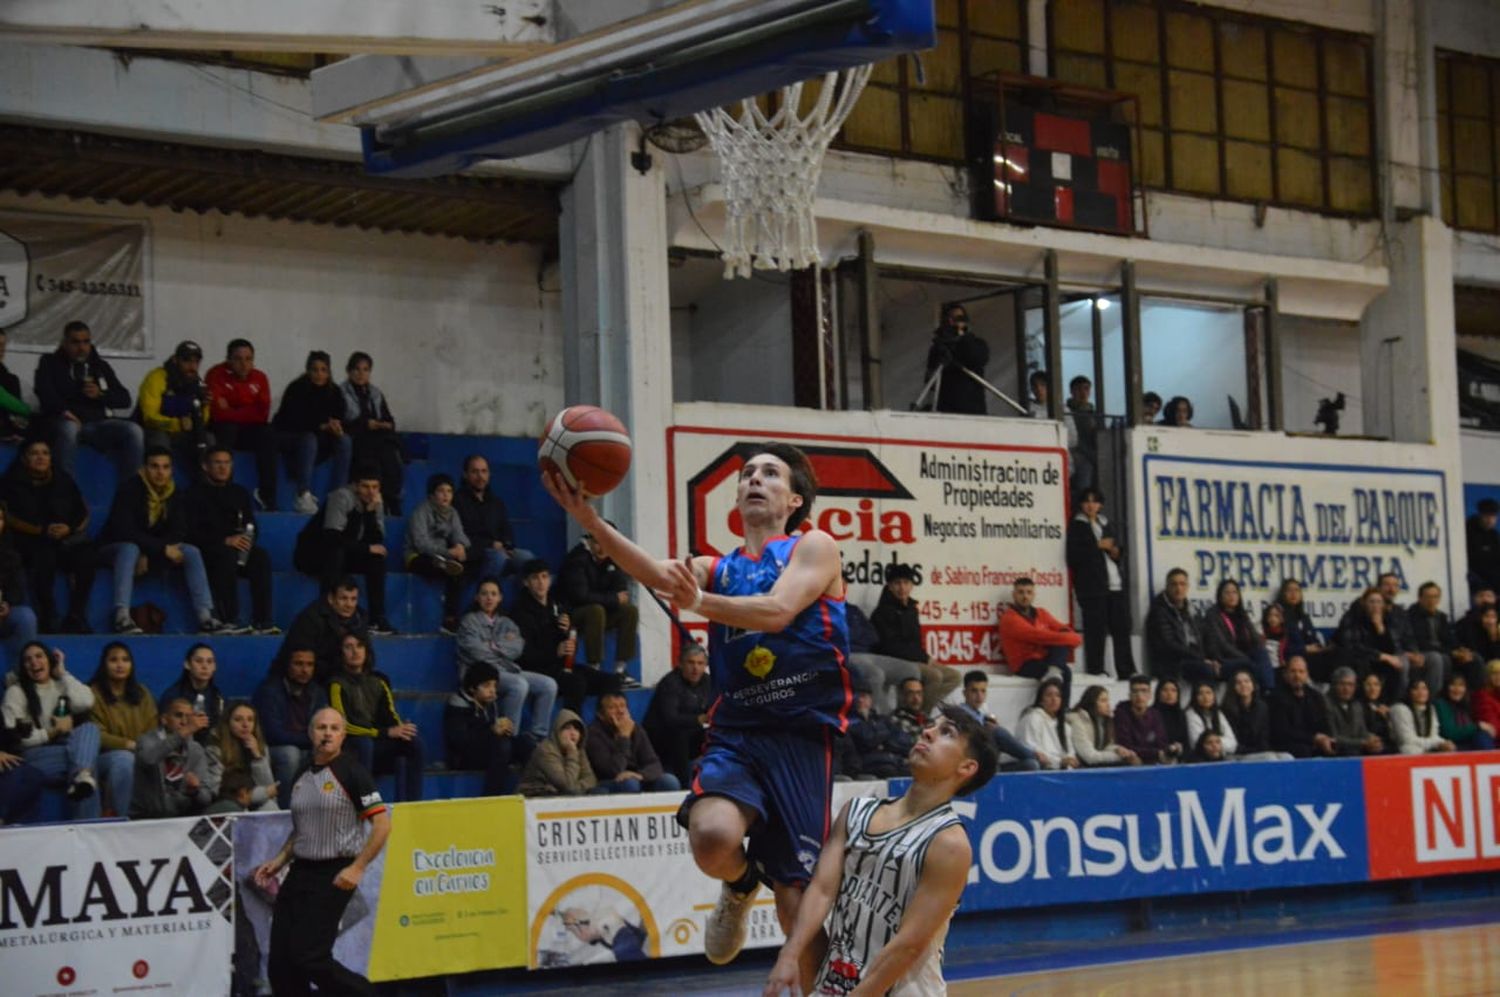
(1023, 640)
(246, 402)
(1487, 707)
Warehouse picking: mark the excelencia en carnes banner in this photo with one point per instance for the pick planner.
(1335, 528)
(968, 518)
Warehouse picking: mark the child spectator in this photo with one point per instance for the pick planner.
(124, 711)
(221, 525)
(346, 536)
(76, 389)
(18, 623)
(436, 546)
(236, 795)
(368, 420)
(310, 429)
(172, 405)
(49, 711)
(286, 702)
(1092, 727)
(239, 749)
(1205, 717)
(48, 520)
(475, 732)
(559, 766)
(174, 776)
(620, 753)
(240, 398)
(323, 624)
(1044, 729)
(1415, 722)
(677, 719)
(1033, 640)
(377, 736)
(1456, 719)
(487, 638)
(1230, 637)
(196, 685)
(597, 595)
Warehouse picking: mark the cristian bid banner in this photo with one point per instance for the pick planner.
(968, 517)
(114, 907)
(1112, 834)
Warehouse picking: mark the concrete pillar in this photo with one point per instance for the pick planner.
(617, 343)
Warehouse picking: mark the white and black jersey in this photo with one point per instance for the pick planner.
(330, 805)
(881, 872)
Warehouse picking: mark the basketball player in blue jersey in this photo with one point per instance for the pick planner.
(778, 645)
(891, 874)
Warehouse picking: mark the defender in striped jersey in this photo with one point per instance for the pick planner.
(891, 871)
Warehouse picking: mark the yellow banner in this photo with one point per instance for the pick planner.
(453, 898)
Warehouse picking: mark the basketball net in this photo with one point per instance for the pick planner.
(771, 167)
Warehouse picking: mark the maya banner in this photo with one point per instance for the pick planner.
(55, 269)
(1335, 528)
(115, 907)
(969, 518)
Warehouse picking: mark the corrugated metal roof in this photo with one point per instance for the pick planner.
(258, 184)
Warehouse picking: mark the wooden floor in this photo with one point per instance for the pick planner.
(1449, 962)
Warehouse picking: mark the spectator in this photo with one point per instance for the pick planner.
(348, 535)
(1273, 632)
(368, 421)
(147, 528)
(1033, 640)
(240, 398)
(76, 389)
(1044, 729)
(1487, 699)
(1092, 727)
(1300, 636)
(196, 685)
(1369, 644)
(1299, 716)
(378, 738)
(1097, 562)
(1230, 637)
(958, 353)
(551, 642)
(1169, 706)
(1456, 719)
(310, 430)
(1139, 727)
(174, 776)
(1208, 748)
(236, 794)
(1346, 717)
(677, 719)
(975, 701)
(1041, 385)
(21, 785)
(1377, 711)
(1483, 543)
(172, 405)
(881, 674)
(436, 546)
(1173, 639)
(239, 748)
(1178, 412)
(48, 521)
(1430, 637)
(124, 711)
(898, 627)
(49, 711)
(486, 522)
(908, 719)
(594, 589)
(620, 753)
(15, 414)
(1414, 722)
(476, 733)
(1083, 437)
(1203, 716)
(487, 638)
(1479, 634)
(559, 766)
(221, 525)
(1250, 719)
(323, 624)
(1150, 409)
(286, 702)
(1398, 618)
(871, 742)
(18, 623)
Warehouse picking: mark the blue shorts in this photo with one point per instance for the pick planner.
(786, 777)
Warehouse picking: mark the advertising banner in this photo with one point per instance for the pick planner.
(1336, 528)
(110, 908)
(1074, 837)
(58, 268)
(1431, 815)
(969, 518)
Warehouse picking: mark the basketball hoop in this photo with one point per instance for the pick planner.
(771, 167)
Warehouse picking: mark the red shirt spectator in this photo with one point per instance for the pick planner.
(1487, 700)
(245, 400)
(1026, 637)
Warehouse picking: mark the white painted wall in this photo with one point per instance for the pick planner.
(1318, 360)
(731, 338)
(464, 337)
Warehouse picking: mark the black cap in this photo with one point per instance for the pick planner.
(188, 350)
(898, 572)
(535, 566)
(1489, 507)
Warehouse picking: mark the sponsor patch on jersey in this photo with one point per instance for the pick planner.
(327, 786)
(759, 662)
(369, 799)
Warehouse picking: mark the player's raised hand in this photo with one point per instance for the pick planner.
(573, 500)
(681, 586)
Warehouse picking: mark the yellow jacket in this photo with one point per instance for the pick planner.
(149, 405)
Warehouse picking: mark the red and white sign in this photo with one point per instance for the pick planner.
(1431, 815)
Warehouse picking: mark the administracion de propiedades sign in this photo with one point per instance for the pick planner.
(1335, 528)
(969, 518)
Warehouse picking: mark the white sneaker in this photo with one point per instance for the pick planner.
(725, 929)
(306, 504)
(83, 786)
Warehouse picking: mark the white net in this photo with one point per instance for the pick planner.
(771, 166)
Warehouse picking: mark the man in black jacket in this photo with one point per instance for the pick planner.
(348, 535)
(1097, 561)
(900, 628)
(957, 352)
(322, 626)
(75, 389)
(1299, 716)
(147, 528)
(486, 523)
(551, 640)
(1483, 544)
(221, 524)
(48, 522)
(678, 714)
(309, 426)
(1173, 643)
(595, 591)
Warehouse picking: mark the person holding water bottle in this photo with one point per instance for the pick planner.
(221, 524)
(196, 685)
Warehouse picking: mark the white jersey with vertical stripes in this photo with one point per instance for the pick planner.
(881, 872)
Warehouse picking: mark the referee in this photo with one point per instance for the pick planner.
(330, 802)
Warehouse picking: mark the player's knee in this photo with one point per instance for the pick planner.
(717, 851)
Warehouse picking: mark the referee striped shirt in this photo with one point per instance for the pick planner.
(330, 807)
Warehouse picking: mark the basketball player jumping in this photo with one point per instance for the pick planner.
(892, 872)
(777, 649)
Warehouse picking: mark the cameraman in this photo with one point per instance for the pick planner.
(956, 350)
(173, 406)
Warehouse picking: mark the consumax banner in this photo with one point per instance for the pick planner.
(969, 518)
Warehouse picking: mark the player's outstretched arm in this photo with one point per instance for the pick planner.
(944, 872)
(813, 572)
(812, 911)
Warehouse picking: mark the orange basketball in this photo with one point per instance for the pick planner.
(588, 446)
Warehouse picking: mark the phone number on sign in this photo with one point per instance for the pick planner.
(961, 644)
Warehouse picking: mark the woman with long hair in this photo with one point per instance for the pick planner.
(1043, 727)
(196, 685)
(1230, 637)
(1204, 716)
(1299, 635)
(1168, 706)
(1377, 710)
(1092, 727)
(1456, 720)
(1250, 720)
(1414, 721)
(378, 737)
(49, 710)
(123, 710)
(240, 746)
(1370, 643)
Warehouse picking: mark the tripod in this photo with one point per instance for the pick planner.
(935, 384)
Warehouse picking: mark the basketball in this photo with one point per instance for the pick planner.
(588, 446)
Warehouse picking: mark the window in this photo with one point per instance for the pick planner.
(1231, 106)
(1467, 91)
